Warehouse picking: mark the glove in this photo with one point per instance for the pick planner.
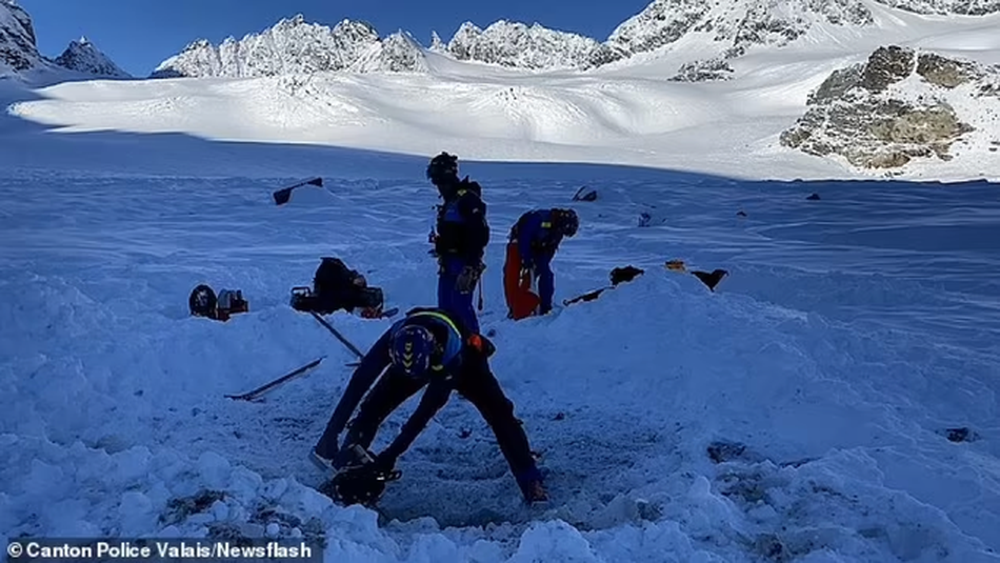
(467, 279)
(384, 463)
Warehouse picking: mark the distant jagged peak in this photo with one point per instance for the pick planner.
(295, 46)
(437, 46)
(399, 52)
(83, 56)
(517, 44)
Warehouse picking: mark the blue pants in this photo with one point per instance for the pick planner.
(453, 301)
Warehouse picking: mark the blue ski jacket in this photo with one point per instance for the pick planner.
(537, 243)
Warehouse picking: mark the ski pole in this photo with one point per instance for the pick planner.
(337, 334)
(258, 392)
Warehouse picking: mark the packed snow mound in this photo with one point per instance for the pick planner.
(84, 56)
(293, 46)
(902, 104)
(18, 50)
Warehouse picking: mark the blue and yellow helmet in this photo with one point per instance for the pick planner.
(412, 349)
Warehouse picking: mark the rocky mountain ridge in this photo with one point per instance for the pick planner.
(730, 28)
(294, 46)
(19, 49)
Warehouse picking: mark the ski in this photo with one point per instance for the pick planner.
(282, 196)
(263, 389)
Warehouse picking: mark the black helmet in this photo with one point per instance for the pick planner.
(442, 166)
(565, 221)
(411, 350)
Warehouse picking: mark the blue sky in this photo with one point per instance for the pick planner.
(139, 34)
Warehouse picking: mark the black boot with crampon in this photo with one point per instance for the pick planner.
(360, 481)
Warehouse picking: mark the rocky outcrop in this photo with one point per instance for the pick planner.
(946, 7)
(18, 50)
(897, 106)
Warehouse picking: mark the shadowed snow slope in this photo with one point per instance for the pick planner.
(851, 333)
(625, 113)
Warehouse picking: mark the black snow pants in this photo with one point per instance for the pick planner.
(476, 383)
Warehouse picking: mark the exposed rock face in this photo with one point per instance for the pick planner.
(730, 28)
(513, 44)
(946, 7)
(18, 51)
(897, 106)
(704, 71)
(83, 56)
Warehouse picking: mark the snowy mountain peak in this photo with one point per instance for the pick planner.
(730, 27)
(84, 56)
(515, 44)
(398, 52)
(18, 49)
(292, 46)
(437, 46)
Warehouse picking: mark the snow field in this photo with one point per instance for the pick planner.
(119, 415)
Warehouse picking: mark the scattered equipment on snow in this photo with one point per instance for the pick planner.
(710, 279)
(617, 276)
(203, 302)
(336, 287)
(585, 194)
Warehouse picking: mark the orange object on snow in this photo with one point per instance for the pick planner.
(522, 301)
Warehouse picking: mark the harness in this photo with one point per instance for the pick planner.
(451, 224)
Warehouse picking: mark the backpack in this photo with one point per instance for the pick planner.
(332, 274)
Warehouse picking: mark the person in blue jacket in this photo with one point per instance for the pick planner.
(460, 240)
(428, 348)
(533, 242)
